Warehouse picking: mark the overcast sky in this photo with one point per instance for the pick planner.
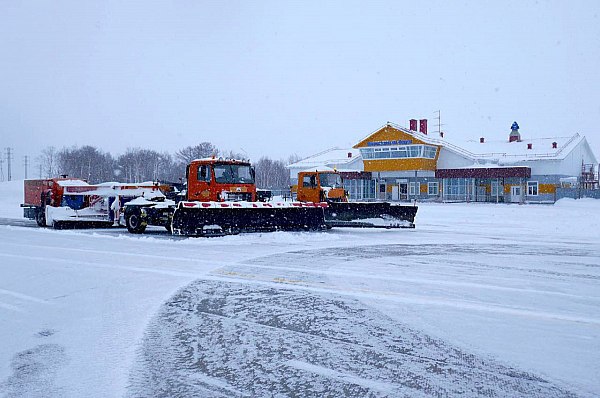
(282, 77)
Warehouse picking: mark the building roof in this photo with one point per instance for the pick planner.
(499, 150)
(516, 151)
(330, 157)
(428, 139)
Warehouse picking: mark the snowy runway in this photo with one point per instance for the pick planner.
(478, 299)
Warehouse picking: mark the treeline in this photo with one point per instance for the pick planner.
(139, 165)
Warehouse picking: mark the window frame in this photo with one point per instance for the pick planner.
(533, 188)
(432, 184)
(208, 177)
(414, 188)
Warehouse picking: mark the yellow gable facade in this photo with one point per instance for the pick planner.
(391, 149)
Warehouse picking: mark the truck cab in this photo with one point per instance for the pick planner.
(218, 179)
(321, 186)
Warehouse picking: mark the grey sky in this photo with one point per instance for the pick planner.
(282, 77)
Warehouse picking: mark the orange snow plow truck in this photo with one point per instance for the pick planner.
(327, 186)
(220, 199)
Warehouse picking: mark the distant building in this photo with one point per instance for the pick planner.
(399, 164)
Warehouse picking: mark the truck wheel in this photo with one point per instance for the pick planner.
(40, 217)
(134, 222)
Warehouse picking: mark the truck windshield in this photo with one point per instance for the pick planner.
(233, 174)
(331, 180)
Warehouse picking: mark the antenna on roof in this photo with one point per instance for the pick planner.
(439, 123)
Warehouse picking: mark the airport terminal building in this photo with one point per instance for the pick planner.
(399, 164)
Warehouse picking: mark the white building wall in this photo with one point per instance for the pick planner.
(581, 154)
(355, 164)
(541, 166)
(451, 160)
(569, 166)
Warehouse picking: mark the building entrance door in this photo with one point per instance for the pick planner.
(515, 194)
(403, 191)
(395, 192)
(382, 192)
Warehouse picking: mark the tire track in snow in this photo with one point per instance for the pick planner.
(269, 341)
(404, 298)
(22, 296)
(428, 281)
(319, 288)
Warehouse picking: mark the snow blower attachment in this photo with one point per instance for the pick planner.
(326, 186)
(225, 218)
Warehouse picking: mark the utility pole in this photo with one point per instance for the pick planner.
(26, 164)
(9, 156)
(40, 171)
(1, 169)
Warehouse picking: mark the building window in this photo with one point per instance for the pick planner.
(368, 189)
(433, 188)
(495, 185)
(360, 189)
(429, 152)
(415, 151)
(399, 152)
(414, 189)
(532, 188)
(456, 188)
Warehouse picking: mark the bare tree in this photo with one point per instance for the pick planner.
(271, 174)
(293, 158)
(87, 163)
(202, 150)
(234, 155)
(139, 165)
(48, 159)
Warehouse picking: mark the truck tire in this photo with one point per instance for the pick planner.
(40, 217)
(135, 222)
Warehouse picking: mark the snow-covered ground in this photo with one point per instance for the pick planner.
(479, 299)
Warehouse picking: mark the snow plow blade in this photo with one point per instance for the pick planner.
(370, 215)
(227, 218)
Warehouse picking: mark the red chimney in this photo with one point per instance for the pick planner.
(481, 140)
(423, 126)
(554, 145)
(349, 154)
(413, 124)
(529, 146)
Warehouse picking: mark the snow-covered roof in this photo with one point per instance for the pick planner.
(334, 157)
(220, 159)
(508, 152)
(320, 169)
(72, 183)
(494, 150)
(428, 139)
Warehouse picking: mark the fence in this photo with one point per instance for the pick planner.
(577, 193)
